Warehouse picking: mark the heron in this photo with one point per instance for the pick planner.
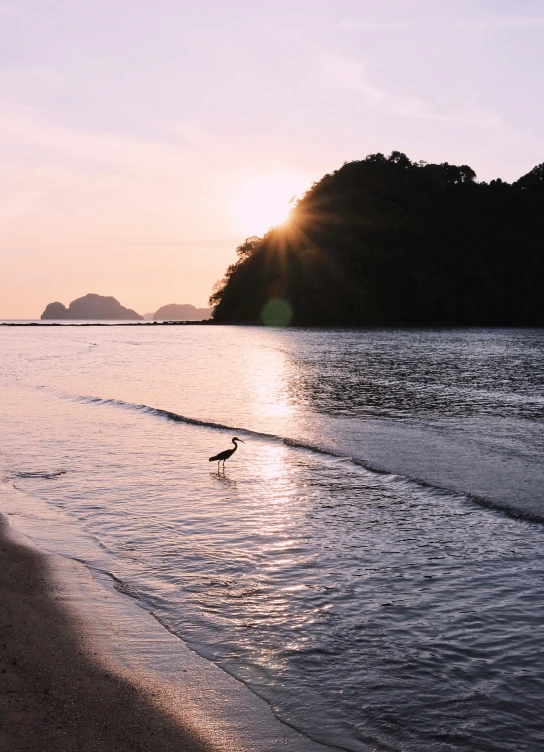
(222, 456)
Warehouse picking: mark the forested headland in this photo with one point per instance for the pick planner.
(388, 241)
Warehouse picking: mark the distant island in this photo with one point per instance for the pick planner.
(388, 241)
(91, 307)
(182, 312)
(94, 307)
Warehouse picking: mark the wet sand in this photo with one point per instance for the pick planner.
(54, 694)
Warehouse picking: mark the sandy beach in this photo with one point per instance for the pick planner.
(53, 694)
(83, 667)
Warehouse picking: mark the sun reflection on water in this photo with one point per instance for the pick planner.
(268, 389)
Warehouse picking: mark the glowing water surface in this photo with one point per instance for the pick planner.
(364, 606)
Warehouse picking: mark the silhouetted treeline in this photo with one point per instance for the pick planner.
(389, 241)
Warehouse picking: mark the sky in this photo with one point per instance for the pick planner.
(142, 140)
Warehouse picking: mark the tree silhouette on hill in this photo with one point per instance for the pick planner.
(388, 241)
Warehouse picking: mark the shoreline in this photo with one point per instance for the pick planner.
(55, 692)
(312, 327)
(205, 322)
(86, 667)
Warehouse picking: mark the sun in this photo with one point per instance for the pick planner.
(263, 202)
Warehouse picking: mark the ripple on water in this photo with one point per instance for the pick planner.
(363, 606)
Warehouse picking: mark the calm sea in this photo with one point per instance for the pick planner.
(370, 562)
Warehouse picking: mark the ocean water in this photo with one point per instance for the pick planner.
(370, 560)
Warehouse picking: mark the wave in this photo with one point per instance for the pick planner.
(177, 418)
(44, 475)
(511, 511)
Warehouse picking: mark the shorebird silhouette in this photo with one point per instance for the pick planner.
(222, 456)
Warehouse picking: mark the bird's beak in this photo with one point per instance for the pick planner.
(243, 442)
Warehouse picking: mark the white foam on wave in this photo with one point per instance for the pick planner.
(510, 507)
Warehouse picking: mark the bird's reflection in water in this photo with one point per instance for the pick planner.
(220, 475)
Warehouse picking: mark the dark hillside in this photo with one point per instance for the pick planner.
(390, 241)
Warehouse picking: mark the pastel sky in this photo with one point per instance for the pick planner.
(142, 140)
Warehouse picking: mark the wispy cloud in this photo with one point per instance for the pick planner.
(10, 9)
(106, 187)
(32, 129)
(483, 23)
(350, 73)
(399, 25)
(501, 22)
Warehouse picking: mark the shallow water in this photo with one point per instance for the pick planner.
(402, 607)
